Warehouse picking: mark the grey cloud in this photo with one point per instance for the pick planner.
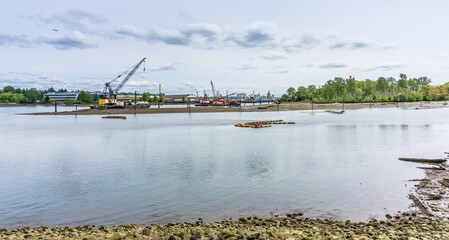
(209, 31)
(32, 80)
(75, 40)
(385, 67)
(129, 30)
(245, 67)
(76, 19)
(183, 37)
(333, 65)
(360, 44)
(272, 57)
(20, 41)
(259, 34)
(166, 67)
(280, 71)
(338, 45)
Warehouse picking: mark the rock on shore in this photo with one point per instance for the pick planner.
(406, 227)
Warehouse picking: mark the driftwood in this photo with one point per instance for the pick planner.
(335, 112)
(432, 168)
(424, 160)
(423, 183)
(417, 180)
(444, 182)
(420, 205)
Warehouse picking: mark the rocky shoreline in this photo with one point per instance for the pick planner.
(405, 226)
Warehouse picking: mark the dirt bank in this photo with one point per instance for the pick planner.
(248, 108)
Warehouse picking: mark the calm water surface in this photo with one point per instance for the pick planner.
(73, 170)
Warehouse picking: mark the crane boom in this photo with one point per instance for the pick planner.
(130, 74)
(111, 99)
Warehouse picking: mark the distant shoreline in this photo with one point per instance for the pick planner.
(290, 106)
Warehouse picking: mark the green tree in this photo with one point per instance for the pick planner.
(302, 94)
(146, 97)
(402, 82)
(32, 95)
(85, 97)
(382, 85)
(10, 89)
(291, 92)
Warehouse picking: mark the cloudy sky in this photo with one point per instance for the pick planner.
(241, 45)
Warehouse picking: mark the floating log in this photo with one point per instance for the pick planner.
(335, 112)
(420, 205)
(432, 168)
(114, 117)
(261, 124)
(425, 160)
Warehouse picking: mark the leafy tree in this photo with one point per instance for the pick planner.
(302, 94)
(402, 82)
(291, 92)
(32, 95)
(382, 85)
(85, 97)
(351, 85)
(9, 89)
(312, 90)
(146, 97)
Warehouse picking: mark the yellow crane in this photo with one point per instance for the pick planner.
(109, 95)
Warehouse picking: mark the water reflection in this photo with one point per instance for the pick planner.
(177, 167)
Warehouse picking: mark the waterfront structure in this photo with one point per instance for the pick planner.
(180, 98)
(62, 96)
(241, 97)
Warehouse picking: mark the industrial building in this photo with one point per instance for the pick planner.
(62, 96)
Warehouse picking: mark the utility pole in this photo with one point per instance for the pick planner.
(135, 102)
(159, 99)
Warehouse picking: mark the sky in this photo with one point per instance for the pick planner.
(242, 46)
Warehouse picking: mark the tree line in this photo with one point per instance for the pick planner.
(381, 90)
(10, 94)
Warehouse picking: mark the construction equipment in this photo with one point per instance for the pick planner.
(109, 95)
(216, 99)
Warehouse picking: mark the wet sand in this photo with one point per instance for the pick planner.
(248, 108)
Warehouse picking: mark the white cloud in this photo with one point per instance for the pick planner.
(74, 40)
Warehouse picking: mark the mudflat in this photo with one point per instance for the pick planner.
(248, 108)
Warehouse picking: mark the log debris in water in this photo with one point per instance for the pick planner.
(335, 112)
(420, 205)
(425, 160)
(432, 168)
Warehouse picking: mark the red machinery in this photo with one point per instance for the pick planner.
(216, 100)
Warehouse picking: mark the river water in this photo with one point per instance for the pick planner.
(156, 168)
